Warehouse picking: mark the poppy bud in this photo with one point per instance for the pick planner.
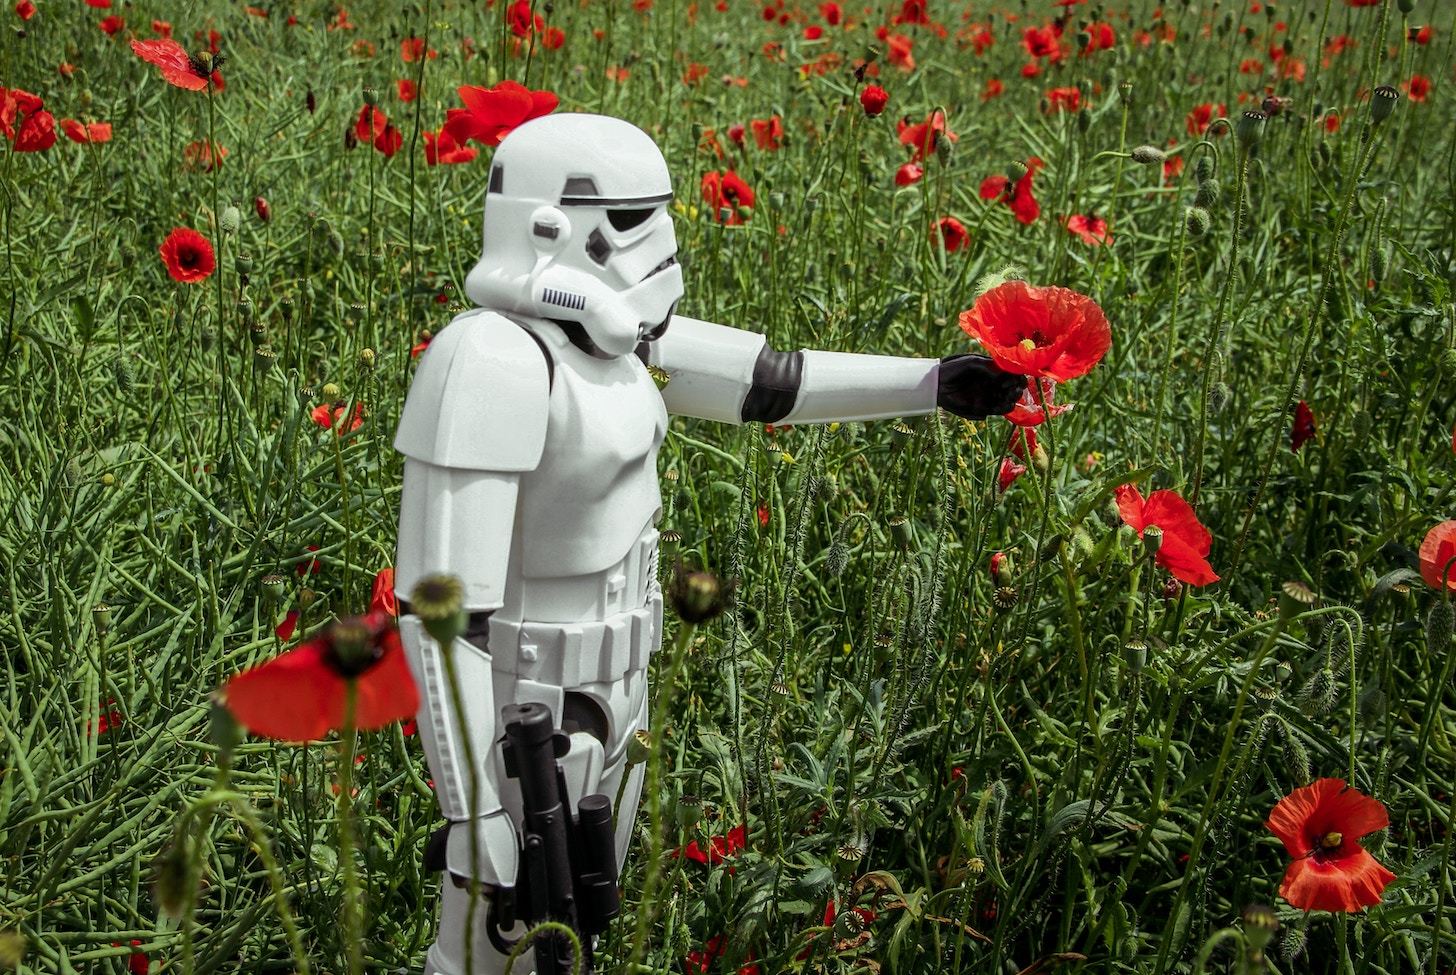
(101, 618)
(121, 375)
(1172, 588)
(697, 597)
(943, 150)
(1196, 220)
(1148, 155)
(1448, 362)
(438, 600)
(1203, 169)
(306, 598)
(1382, 103)
(1209, 194)
(873, 100)
(12, 942)
(264, 358)
(222, 729)
(231, 219)
(1406, 6)
(1219, 396)
(836, 560)
(171, 876)
(1439, 622)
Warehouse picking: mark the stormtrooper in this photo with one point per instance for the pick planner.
(530, 435)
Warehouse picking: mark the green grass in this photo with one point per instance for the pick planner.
(1001, 782)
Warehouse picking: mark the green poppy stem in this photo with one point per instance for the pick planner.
(353, 894)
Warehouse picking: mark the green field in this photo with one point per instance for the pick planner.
(1062, 765)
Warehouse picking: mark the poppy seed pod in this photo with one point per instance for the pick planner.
(698, 597)
(639, 747)
(1406, 6)
(900, 530)
(1152, 540)
(1382, 103)
(438, 600)
(1148, 155)
(366, 359)
(101, 618)
(371, 95)
(1294, 598)
(1249, 128)
(264, 358)
(243, 264)
(231, 219)
(330, 392)
(1135, 655)
(272, 585)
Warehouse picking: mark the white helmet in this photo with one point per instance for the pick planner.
(577, 231)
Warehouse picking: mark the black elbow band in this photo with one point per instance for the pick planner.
(775, 389)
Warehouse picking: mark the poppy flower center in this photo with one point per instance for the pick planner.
(352, 648)
(189, 257)
(1331, 840)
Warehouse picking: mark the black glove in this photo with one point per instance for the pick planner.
(974, 387)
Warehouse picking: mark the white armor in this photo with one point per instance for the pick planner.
(531, 434)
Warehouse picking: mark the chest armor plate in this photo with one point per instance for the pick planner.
(585, 506)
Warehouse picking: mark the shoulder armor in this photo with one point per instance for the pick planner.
(479, 399)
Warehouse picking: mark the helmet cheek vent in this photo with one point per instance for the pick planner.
(597, 248)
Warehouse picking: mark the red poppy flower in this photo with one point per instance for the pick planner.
(490, 114)
(1028, 411)
(1321, 825)
(161, 28)
(1020, 197)
(1092, 230)
(720, 848)
(1043, 42)
(1303, 429)
(1101, 37)
(1438, 549)
(521, 21)
(994, 87)
(370, 123)
(301, 695)
(203, 156)
(88, 132)
(188, 256)
(330, 416)
(1418, 87)
(1009, 472)
(137, 963)
(768, 133)
(1203, 115)
(1064, 99)
(25, 10)
(411, 49)
(389, 141)
(922, 135)
(309, 568)
(898, 52)
(831, 13)
(285, 630)
(1422, 35)
(1023, 443)
(261, 208)
(700, 960)
(382, 598)
(406, 90)
(99, 4)
(112, 25)
(909, 174)
(1186, 543)
(178, 67)
(442, 150)
(108, 718)
(1049, 332)
(726, 192)
(36, 132)
(950, 233)
(873, 100)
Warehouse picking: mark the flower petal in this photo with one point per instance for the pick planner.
(293, 697)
